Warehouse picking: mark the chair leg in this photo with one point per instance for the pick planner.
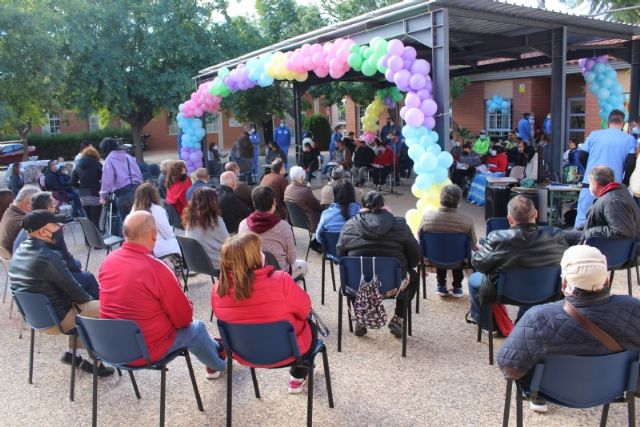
(187, 358)
(409, 319)
(327, 375)
(404, 329)
(340, 320)
(424, 281)
(186, 280)
(349, 316)
(507, 404)
(480, 323)
(304, 284)
(86, 266)
(94, 412)
(163, 390)
(306, 257)
(519, 417)
(611, 277)
(229, 385)
(256, 389)
(632, 410)
(323, 277)
(33, 338)
(605, 415)
(6, 285)
(629, 281)
(135, 385)
(333, 276)
(72, 385)
(310, 375)
(490, 336)
(11, 312)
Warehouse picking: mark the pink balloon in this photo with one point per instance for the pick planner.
(321, 72)
(306, 49)
(343, 54)
(395, 47)
(395, 63)
(318, 59)
(401, 78)
(308, 63)
(335, 74)
(414, 117)
(420, 66)
(326, 47)
(429, 107)
(412, 100)
(316, 48)
(430, 122)
(403, 111)
(409, 52)
(417, 81)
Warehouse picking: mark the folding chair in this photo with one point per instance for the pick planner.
(497, 223)
(620, 254)
(5, 260)
(526, 286)
(389, 273)
(329, 253)
(95, 240)
(297, 218)
(270, 344)
(120, 343)
(580, 382)
(39, 314)
(196, 258)
(172, 215)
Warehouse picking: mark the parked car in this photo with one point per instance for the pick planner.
(12, 152)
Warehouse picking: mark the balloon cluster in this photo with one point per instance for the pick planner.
(330, 59)
(201, 101)
(428, 200)
(192, 134)
(390, 96)
(604, 85)
(497, 103)
(370, 119)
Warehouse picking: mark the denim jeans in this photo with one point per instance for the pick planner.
(196, 338)
(88, 282)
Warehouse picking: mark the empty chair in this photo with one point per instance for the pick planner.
(329, 243)
(297, 218)
(580, 382)
(196, 259)
(388, 271)
(39, 314)
(620, 254)
(120, 343)
(523, 287)
(497, 223)
(172, 214)
(273, 345)
(95, 240)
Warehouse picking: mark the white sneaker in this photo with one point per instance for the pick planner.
(539, 405)
(296, 385)
(212, 374)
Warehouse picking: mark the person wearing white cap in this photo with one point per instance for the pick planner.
(300, 194)
(550, 329)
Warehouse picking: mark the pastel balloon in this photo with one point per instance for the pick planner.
(395, 47)
(417, 81)
(420, 66)
(409, 52)
(395, 63)
(445, 159)
(412, 100)
(401, 78)
(423, 181)
(429, 161)
(439, 174)
(415, 151)
(414, 117)
(429, 107)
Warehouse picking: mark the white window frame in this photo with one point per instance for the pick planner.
(570, 115)
(53, 125)
(94, 122)
(504, 128)
(173, 127)
(213, 123)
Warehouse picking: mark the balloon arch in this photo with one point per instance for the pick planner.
(397, 62)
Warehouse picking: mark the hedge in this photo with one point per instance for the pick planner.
(321, 129)
(67, 145)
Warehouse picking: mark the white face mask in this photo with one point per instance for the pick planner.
(636, 131)
(493, 152)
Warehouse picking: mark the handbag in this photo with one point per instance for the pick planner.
(607, 340)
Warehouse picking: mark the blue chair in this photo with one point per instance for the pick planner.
(526, 286)
(329, 253)
(39, 314)
(389, 273)
(443, 250)
(297, 218)
(620, 254)
(580, 382)
(270, 344)
(497, 223)
(120, 343)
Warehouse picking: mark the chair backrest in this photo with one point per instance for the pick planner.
(297, 217)
(117, 342)
(195, 256)
(517, 172)
(586, 381)
(617, 252)
(530, 285)
(497, 223)
(446, 250)
(91, 233)
(36, 310)
(387, 269)
(270, 259)
(154, 171)
(329, 243)
(172, 214)
(260, 344)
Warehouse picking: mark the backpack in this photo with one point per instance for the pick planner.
(368, 310)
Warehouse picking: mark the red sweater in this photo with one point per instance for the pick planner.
(385, 157)
(275, 297)
(500, 161)
(177, 195)
(136, 286)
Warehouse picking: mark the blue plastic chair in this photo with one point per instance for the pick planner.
(497, 223)
(196, 259)
(620, 255)
(39, 314)
(580, 382)
(526, 286)
(389, 273)
(119, 343)
(329, 253)
(270, 344)
(443, 250)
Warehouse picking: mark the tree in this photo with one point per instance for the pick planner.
(341, 10)
(30, 69)
(136, 58)
(630, 13)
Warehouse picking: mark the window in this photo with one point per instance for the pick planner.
(342, 113)
(173, 127)
(498, 123)
(53, 125)
(213, 123)
(360, 114)
(575, 119)
(94, 123)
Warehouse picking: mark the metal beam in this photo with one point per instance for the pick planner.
(634, 92)
(440, 70)
(558, 97)
(297, 112)
(539, 41)
(500, 66)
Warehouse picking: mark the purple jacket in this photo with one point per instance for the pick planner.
(115, 173)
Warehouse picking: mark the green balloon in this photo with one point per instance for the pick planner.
(374, 41)
(355, 48)
(354, 60)
(381, 68)
(222, 72)
(381, 47)
(368, 68)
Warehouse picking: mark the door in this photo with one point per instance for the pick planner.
(575, 119)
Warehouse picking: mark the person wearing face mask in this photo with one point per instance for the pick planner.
(282, 137)
(521, 154)
(55, 179)
(178, 183)
(465, 166)
(254, 137)
(481, 146)
(634, 181)
(497, 160)
(38, 267)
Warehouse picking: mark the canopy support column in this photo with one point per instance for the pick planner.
(297, 112)
(558, 99)
(440, 73)
(635, 80)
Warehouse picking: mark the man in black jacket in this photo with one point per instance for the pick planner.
(362, 159)
(376, 232)
(524, 245)
(233, 209)
(37, 267)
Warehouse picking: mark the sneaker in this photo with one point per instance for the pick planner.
(469, 319)
(212, 374)
(360, 330)
(103, 371)
(539, 405)
(67, 357)
(457, 293)
(395, 326)
(296, 384)
(442, 291)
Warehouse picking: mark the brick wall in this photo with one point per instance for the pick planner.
(592, 115)
(469, 110)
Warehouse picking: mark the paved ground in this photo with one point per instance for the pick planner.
(445, 379)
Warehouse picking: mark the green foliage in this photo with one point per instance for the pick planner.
(457, 85)
(631, 16)
(66, 145)
(361, 93)
(341, 10)
(321, 129)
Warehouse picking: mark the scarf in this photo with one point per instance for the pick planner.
(609, 187)
(259, 222)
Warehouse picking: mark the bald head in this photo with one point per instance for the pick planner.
(140, 227)
(202, 174)
(228, 179)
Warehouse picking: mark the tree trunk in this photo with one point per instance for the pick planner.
(138, 121)
(24, 137)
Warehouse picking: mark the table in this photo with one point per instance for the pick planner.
(559, 197)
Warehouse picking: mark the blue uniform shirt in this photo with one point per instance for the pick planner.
(524, 130)
(282, 137)
(608, 147)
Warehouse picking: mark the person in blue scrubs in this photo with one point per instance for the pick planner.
(524, 128)
(282, 137)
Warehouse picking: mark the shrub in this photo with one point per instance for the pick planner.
(321, 129)
(67, 145)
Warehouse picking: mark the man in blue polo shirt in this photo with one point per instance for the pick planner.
(611, 147)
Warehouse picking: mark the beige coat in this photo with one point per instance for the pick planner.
(448, 220)
(634, 181)
(326, 194)
(303, 197)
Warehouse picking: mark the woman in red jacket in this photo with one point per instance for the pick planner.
(497, 160)
(250, 292)
(382, 163)
(177, 185)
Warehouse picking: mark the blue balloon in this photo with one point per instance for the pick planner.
(415, 151)
(603, 94)
(599, 68)
(590, 77)
(426, 140)
(409, 142)
(429, 161)
(409, 131)
(423, 181)
(445, 159)
(434, 135)
(434, 148)
(439, 174)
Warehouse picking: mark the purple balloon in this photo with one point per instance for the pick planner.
(403, 111)
(409, 52)
(401, 79)
(395, 63)
(582, 62)
(424, 94)
(602, 59)
(412, 100)
(429, 107)
(414, 117)
(428, 85)
(417, 81)
(430, 122)
(589, 64)
(389, 75)
(395, 47)
(420, 66)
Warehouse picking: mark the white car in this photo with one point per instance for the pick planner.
(28, 170)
